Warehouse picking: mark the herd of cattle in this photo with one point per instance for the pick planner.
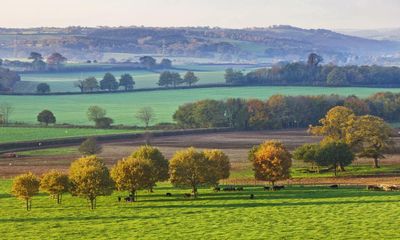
(384, 187)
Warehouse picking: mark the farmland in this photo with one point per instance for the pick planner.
(16, 134)
(123, 106)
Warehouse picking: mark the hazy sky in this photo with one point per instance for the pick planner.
(224, 13)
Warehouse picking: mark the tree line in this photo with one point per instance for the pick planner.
(312, 73)
(280, 111)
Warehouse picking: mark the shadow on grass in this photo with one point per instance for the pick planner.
(74, 218)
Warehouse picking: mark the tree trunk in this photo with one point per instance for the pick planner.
(27, 205)
(335, 169)
(58, 198)
(376, 163)
(92, 203)
(133, 193)
(194, 190)
(273, 185)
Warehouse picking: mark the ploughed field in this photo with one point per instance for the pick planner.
(297, 212)
(122, 107)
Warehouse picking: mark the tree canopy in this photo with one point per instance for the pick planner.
(46, 117)
(26, 186)
(55, 183)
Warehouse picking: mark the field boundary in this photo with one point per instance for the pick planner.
(73, 141)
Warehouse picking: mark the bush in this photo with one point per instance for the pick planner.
(104, 122)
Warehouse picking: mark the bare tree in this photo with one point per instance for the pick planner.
(145, 115)
(6, 109)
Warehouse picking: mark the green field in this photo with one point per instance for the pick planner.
(294, 213)
(15, 134)
(123, 106)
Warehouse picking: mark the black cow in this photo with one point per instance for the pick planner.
(168, 194)
(239, 188)
(278, 187)
(266, 188)
(119, 199)
(187, 195)
(374, 187)
(251, 196)
(335, 186)
(217, 189)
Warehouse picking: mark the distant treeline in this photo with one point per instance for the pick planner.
(312, 73)
(281, 111)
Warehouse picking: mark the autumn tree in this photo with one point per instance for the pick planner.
(220, 165)
(189, 78)
(24, 187)
(271, 161)
(371, 135)
(56, 60)
(257, 113)
(133, 174)
(334, 154)
(90, 178)
(90, 147)
(126, 81)
(145, 115)
(158, 161)
(55, 183)
(189, 168)
(46, 117)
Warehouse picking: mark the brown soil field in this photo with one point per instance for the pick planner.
(234, 144)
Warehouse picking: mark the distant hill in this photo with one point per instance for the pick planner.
(392, 34)
(284, 43)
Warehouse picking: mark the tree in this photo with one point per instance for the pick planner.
(43, 88)
(90, 147)
(257, 111)
(147, 62)
(168, 78)
(109, 82)
(307, 153)
(166, 63)
(133, 174)
(126, 81)
(90, 178)
(236, 112)
(35, 56)
(39, 65)
(24, 187)
(95, 112)
(337, 77)
(55, 183)
(104, 122)
(145, 115)
(234, 77)
(372, 137)
(271, 161)
(335, 154)
(56, 60)
(46, 117)
(220, 165)
(189, 168)
(6, 109)
(190, 78)
(314, 59)
(157, 159)
(89, 84)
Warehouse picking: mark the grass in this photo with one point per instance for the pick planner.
(294, 213)
(50, 152)
(16, 134)
(123, 106)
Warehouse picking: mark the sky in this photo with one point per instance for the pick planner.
(330, 14)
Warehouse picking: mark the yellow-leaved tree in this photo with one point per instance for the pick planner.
(158, 161)
(220, 165)
(133, 174)
(90, 178)
(271, 161)
(55, 183)
(24, 187)
(189, 168)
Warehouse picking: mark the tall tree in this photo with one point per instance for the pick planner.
(334, 154)
(168, 78)
(26, 186)
(147, 62)
(145, 115)
(109, 82)
(6, 109)
(127, 81)
(133, 174)
(234, 77)
(90, 178)
(236, 113)
(190, 78)
(46, 117)
(56, 60)
(314, 59)
(55, 183)
(271, 161)
(94, 113)
(220, 165)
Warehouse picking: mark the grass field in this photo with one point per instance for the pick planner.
(15, 134)
(123, 106)
(294, 213)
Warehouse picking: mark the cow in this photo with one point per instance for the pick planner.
(239, 188)
(374, 188)
(168, 194)
(251, 196)
(266, 188)
(335, 186)
(119, 198)
(187, 195)
(217, 189)
(278, 187)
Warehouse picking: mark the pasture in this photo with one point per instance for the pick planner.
(296, 212)
(17, 134)
(122, 107)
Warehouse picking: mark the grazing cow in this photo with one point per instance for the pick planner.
(374, 188)
(168, 194)
(251, 196)
(128, 199)
(229, 189)
(278, 187)
(335, 186)
(119, 198)
(266, 188)
(217, 189)
(187, 195)
(239, 188)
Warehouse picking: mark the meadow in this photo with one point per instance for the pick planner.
(294, 213)
(122, 107)
(17, 134)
